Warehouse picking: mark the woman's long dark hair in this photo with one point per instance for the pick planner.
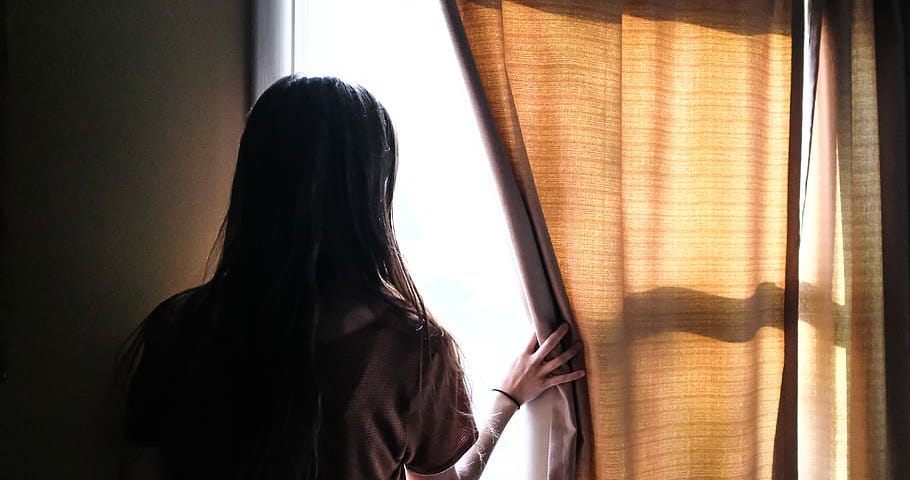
(310, 212)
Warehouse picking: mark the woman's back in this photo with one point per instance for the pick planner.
(387, 392)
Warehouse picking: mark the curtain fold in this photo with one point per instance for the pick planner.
(562, 426)
(853, 326)
(742, 290)
(785, 462)
(892, 45)
(841, 392)
(665, 207)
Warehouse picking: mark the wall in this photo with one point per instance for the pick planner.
(120, 133)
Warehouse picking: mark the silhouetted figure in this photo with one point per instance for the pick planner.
(310, 353)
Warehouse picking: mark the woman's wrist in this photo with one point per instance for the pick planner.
(471, 465)
(503, 407)
(508, 395)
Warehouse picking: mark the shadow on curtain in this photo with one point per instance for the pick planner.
(745, 313)
(650, 142)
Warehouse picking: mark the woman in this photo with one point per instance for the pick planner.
(310, 353)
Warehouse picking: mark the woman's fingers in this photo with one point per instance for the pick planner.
(564, 378)
(561, 359)
(532, 373)
(550, 343)
(532, 345)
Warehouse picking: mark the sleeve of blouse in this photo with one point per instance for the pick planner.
(145, 398)
(440, 426)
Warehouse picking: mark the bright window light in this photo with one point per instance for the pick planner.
(448, 216)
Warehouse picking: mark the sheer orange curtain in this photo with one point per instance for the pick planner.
(650, 142)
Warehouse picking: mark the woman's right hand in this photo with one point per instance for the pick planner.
(531, 373)
(529, 376)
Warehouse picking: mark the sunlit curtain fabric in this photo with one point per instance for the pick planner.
(853, 179)
(650, 142)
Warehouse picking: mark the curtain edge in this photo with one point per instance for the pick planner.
(545, 293)
(785, 460)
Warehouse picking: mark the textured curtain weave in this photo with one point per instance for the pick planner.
(892, 58)
(841, 387)
(843, 407)
(654, 136)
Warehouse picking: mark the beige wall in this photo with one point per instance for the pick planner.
(120, 132)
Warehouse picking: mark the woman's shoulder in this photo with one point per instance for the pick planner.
(429, 344)
(425, 334)
(161, 325)
(387, 332)
(170, 309)
(147, 365)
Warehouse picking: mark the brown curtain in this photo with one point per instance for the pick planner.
(853, 331)
(892, 48)
(561, 423)
(650, 141)
(743, 297)
(841, 403)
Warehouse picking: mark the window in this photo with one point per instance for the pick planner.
(448, 218)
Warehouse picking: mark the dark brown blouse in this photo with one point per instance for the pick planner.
(390, 397)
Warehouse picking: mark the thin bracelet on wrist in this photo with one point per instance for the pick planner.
(509, 396)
